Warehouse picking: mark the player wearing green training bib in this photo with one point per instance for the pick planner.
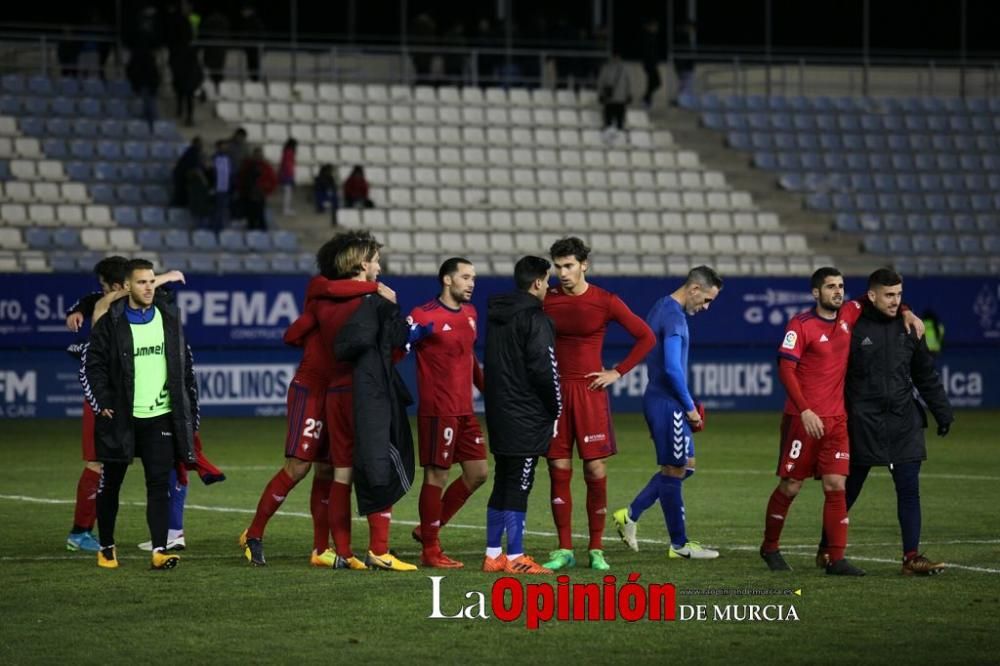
(142, 389)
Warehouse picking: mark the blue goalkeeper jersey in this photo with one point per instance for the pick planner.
(667, 364)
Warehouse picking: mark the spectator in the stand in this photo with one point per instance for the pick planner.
(185, 70)
(257, 181)
(423, 32)
(215, 27)
(238, 150)
(222, 176)
(99, 42)
(687, 39)
(143, 39)
(286, 175)
(454, 62)
(191, 158)
(356, 189)
(68, 53)
(614, 92)
(199, 197)
(325, 188)
(651, 48)
(250, 27)
(486, 38)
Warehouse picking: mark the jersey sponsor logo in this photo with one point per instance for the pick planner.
(149, 350)
(791, 338)
(842, 455)
(599, 437)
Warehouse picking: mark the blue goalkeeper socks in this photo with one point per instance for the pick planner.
(646, 497)
(515, 531)
(672, 503)
(495, 524)
(178, 495)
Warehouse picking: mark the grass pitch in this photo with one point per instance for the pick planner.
(59, 607)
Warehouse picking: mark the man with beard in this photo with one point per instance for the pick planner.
(812, 366)
(448, 431)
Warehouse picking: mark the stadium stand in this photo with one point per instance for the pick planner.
(497, 173)
(911, 178)
(82, 176)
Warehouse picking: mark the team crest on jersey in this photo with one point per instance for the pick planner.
(790, 339)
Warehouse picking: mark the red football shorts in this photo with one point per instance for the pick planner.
(449, 439)
(306, 438)
(803, 457)
(87, 438)
(586, 420)
(340, 420)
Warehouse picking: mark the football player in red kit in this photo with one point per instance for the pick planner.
(581, 313)
(812, 365)
(306, 439)
(448, 431)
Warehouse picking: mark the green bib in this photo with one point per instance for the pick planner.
(150, 358)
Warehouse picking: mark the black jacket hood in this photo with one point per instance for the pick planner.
(502, 308)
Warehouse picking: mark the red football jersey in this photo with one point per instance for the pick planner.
(329, 303)
(581, 322)
(446, 362)
(820, 348)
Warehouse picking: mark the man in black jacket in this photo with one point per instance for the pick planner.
(885, 422)
(523, 402)
(140, 383)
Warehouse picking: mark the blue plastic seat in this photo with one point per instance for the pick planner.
(204, 240)
(964, 223)
(119, 88)
(103, 193)
(106, 172)
(136, 129)
(179, 217)
(177, 239)
(35, 106)
(970, 244)
(126, 216)
(946, 244)
(846, 222)
(38, 238)
(284, 264)
(85, 127)
(67, 87)
(940, 223)
(109, 150)
(150, 239)
(55, 149)
(875, 244)
(899, 244)
(132, 172)
(10, 105)
(79, 171)
(116, 108)
(152, 216)
(202, 263)
(155, 194)
(32, 126)
(67, 238)
(162, 150)
(922, 244)
(82, 149)
(90, 107)
(136, 150)
(232, 240)
(894, 223)
(13, 83)
(94, 88)
(112, 129)
(804, 122)
(129, 194)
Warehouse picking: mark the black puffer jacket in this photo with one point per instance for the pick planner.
(383, 443)
(108, 380)
(885, 421)
(523, 398)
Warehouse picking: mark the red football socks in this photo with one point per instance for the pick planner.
(319, 500)
(597, 511)
(378, 531)
(774, 519)
(86, 500)
(454, 499)
(430, 515)
(340, 518)
(562, 505)
(835, 523)
(270, 501)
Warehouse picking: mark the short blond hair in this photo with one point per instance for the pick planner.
(343, 255)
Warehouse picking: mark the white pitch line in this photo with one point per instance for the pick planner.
(659, 542)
